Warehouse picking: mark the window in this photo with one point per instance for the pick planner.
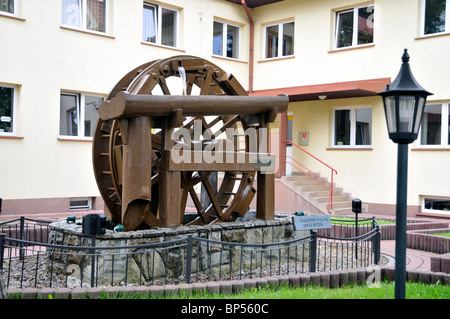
(436, 205)
(8, 97)
(434, 16)
(85, 14)
(436, 125)
(76, 109)
(279, 40)
(8, 7)
(226, 39)
(354, 27)
(352, 127)
(80, 203)
(160, 25)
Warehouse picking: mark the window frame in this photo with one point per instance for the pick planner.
(224, 40)
(158, 16)
(445, 127)
(83, 26)
(280, 43)
(81, 108)
(447, 20)
(353, 127)
(13, 110)
(355, 30)
(433, 211)
(15, 13)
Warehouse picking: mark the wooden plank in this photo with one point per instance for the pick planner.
(180, 160)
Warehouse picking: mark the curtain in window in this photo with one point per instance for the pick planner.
(149, 24)
(95, 15)
(7, 6)
(71, 13)
(168, 27)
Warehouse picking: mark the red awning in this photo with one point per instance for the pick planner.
(336, 90)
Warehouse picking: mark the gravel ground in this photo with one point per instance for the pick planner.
(22, 273)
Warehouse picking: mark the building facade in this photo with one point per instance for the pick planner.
(60, 58)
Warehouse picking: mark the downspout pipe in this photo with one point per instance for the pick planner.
(251, 53)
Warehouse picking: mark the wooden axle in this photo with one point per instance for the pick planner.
(125, 105)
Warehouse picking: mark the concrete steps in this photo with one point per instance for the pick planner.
(318, 195)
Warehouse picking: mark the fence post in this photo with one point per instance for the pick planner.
(22, 237)
(93, 261)
(313, 251)
(377, 244)
(188, 259)
(2, 249)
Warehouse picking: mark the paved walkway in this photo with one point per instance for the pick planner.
(415, 259)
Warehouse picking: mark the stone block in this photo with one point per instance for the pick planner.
(249, 283)
(437, 277)
(334, 279)
(412, 276)
(435, 263)
(156, 291)
(171, 290)
(361, 276)
(343, 278)
(445, 263)
(314, 279)
(226, 287)
(283, 280)
(79, 293)
(238, 286)
(213, 288)
(199, 288)
(111, 292)
(272, 282)
(63, 293)
(352, 277)
(425, 277)
(388, 273)
(305, 280)
(325, 279)
(186, 289)
(261, 282)
(294, 280)
(46, 293)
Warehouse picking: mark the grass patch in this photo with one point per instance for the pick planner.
(351, 221)
(446, 234)
(386, 290)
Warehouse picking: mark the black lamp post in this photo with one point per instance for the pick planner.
(404, 103)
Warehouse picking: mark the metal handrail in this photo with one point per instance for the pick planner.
(331, 188)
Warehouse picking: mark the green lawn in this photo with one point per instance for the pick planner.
(386, 290)
(447, 234)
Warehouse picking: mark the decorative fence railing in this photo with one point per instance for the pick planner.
(30, 263)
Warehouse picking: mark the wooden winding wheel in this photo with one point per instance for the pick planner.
(183, 107)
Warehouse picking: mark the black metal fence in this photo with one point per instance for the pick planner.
(26, 260)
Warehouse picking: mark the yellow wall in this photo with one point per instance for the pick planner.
(43, 59)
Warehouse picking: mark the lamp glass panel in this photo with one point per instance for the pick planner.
(389, 103)
(420, 109)
(406, 113)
